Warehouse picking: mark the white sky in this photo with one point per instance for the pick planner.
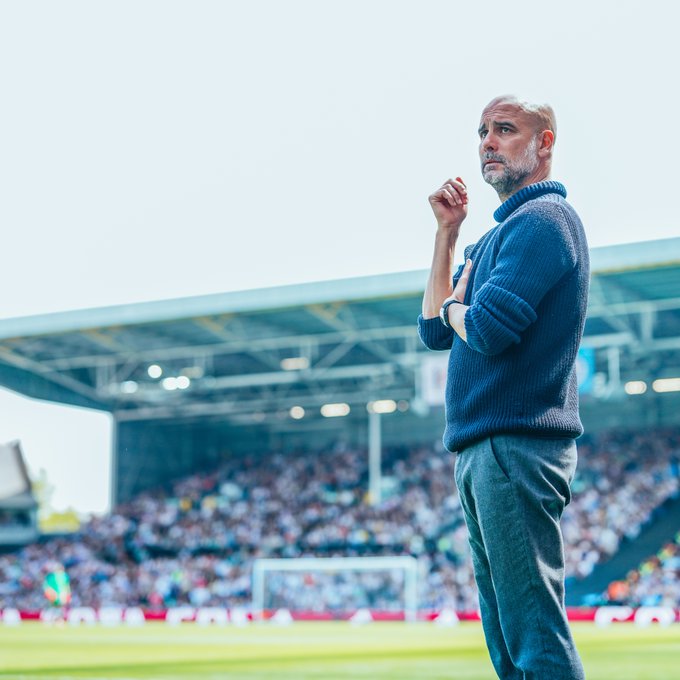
(162, 149)
(71, 444)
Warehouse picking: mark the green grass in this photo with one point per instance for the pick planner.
(393, 651)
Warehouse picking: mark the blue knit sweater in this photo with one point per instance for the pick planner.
(527, 296)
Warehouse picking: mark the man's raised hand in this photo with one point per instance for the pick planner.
(450, 203)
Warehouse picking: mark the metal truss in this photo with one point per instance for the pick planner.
(352, 356)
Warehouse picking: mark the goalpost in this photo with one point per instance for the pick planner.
(308, 567)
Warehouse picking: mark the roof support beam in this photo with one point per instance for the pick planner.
(250, 407)
(254, 344)
(60, 379)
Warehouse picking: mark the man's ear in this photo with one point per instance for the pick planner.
(547, 142)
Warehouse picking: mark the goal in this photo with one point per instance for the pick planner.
(336, 584)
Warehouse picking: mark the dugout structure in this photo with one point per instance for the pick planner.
(190, 381)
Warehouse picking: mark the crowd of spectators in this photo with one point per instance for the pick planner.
(656, 583)
(195, 543)
(623, 476)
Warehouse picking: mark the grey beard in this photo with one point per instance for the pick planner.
(513, 176)
(509, 181)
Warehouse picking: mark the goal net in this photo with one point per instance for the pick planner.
(336, 585)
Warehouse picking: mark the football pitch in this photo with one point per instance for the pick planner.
(377, 651)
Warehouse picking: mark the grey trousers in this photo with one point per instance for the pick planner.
(513, 489)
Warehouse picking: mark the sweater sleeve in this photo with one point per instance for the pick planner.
(535, 251)
(434, 334)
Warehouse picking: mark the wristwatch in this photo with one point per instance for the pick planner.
(444, 312)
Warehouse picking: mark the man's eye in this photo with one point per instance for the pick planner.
(505, 128)
(482, 134)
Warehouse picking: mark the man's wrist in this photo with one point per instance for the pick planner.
(444, 312)
(449, 232)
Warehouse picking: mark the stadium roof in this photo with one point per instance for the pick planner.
(225, 354)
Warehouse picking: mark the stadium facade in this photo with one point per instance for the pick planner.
(191, 381)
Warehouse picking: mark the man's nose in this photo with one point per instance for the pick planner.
(489, 143)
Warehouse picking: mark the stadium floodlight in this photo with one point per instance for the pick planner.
(297, 412)
(154, 371)
(382, 406)
(169, 384)
(129, 387)
(293, 579)
(335, 410)
(666, 385)
(195, 372)
(635, 387)
(183, 382)
(295, 363)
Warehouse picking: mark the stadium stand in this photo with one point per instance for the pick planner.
(656, 583)
(623, 477)
(195, 386)
(195, 543)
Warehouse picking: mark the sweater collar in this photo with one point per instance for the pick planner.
(506, 208)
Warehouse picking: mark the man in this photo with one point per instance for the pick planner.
(513, 317)
(57, 590)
